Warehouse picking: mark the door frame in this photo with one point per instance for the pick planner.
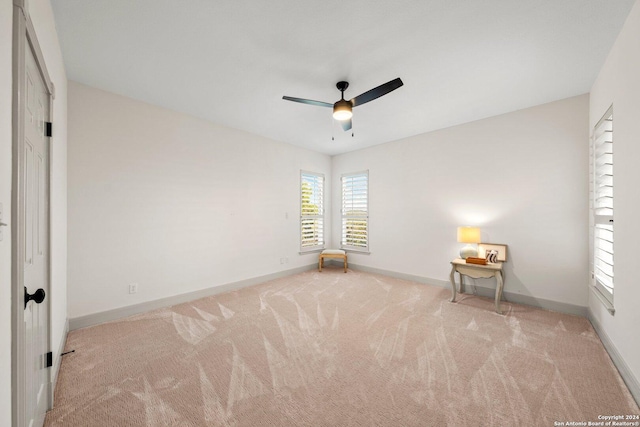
(24, 37)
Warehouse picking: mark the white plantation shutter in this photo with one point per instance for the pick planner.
(355, 211)
(311, 211)
(602, 205)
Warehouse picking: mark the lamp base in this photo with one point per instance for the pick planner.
(468, 251)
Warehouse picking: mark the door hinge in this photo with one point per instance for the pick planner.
(49, 359)
(48, 129)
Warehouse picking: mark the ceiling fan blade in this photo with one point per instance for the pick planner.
(376, 92)
(346, 124)
(308, 101)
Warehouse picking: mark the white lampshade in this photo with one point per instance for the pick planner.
(468, 235)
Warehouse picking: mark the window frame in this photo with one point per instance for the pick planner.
(343, 217)
(599, 222)
(321, 216)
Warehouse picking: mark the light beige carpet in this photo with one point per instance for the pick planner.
(335, 349)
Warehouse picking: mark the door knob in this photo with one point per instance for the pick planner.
(37, 296)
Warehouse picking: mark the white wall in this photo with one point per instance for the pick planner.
(519, 176)
(619, 84)
(6, 24)
(174, 203)
(42, 17)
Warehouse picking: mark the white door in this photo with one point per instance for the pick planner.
(35, 179)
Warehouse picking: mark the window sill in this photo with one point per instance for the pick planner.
(603, 300)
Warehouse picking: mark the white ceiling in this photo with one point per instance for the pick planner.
(231, 61)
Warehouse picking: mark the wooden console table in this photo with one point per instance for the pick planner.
(476, 271)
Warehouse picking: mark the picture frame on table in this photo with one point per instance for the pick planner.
(483, 248)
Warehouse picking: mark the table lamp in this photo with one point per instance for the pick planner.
(468, 235)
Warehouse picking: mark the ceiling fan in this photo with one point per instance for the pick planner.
(342, 108)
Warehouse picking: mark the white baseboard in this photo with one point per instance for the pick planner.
(56, 367)
(119, 313)
(627, 376)
(561, 307)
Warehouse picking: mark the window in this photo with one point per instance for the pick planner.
(355, 212)
(311, 211)
(602, 206)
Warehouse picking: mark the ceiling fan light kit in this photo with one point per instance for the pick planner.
(342, 110)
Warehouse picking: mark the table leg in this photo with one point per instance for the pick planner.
(320, 263)
(462, 288)
(500, 285)
(345, 264)
(452, 279)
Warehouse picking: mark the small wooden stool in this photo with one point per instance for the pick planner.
(332, 253)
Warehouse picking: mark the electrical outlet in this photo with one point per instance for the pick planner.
(286, 260)
(133, 288)
(281, 260)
